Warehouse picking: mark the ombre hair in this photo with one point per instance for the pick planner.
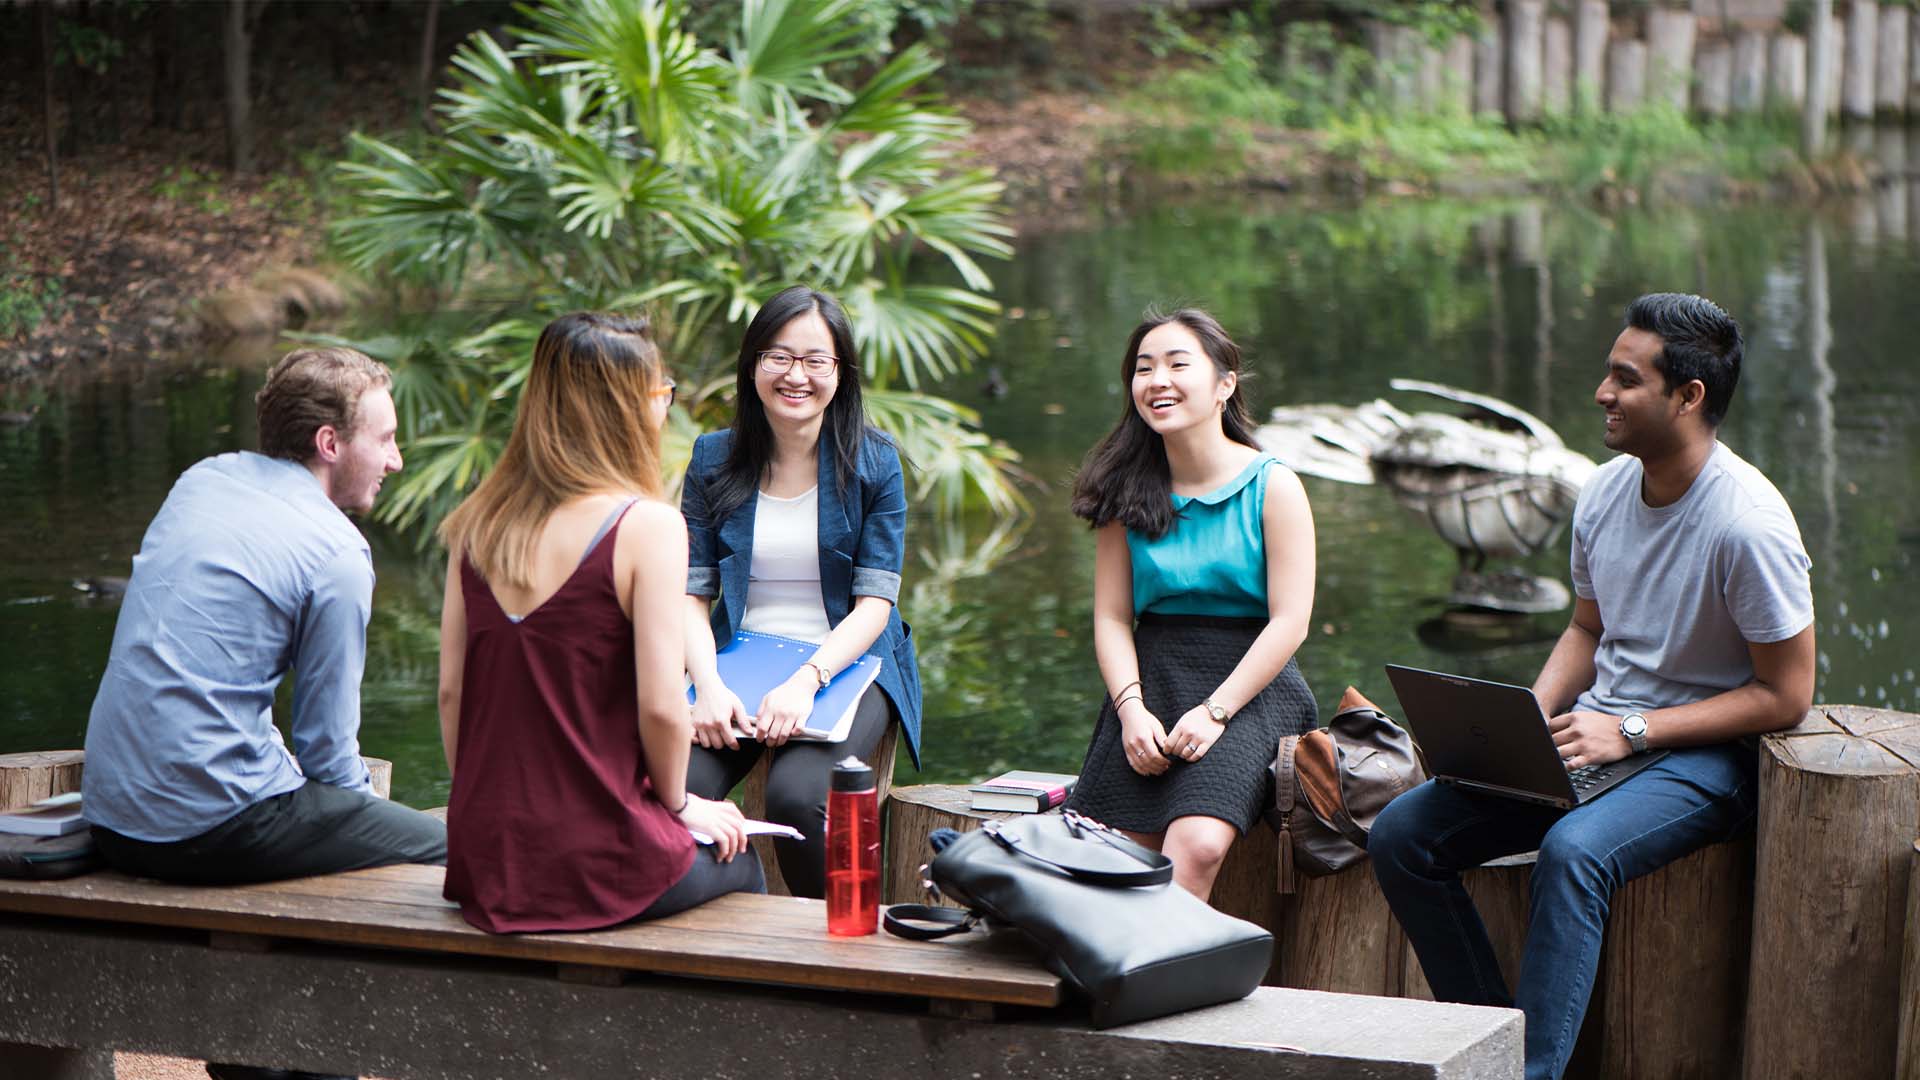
(586, 424)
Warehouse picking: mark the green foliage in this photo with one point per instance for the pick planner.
(86, 47)
(1426, 147)
(27, 300)
(606, 155)
(1629, 150)
(182, 184)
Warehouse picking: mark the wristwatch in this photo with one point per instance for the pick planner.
(820, 671)
(1633, 728)
(1219, 714)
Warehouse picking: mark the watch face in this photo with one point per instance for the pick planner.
(1634, 725)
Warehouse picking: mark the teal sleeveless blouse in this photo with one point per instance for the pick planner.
(1214, 559)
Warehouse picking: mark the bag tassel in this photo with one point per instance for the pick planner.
(1283, 881)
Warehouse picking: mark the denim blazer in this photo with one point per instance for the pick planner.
(862, 548)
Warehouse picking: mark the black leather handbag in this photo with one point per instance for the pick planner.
(1103, 910)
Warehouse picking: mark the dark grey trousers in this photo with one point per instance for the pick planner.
(314, 829)
(796, 787)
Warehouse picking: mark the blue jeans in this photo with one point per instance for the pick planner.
(1425, 838)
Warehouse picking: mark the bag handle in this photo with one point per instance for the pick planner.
(1157, 868)
(899, 920)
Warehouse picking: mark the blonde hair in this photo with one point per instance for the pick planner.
(585, 424)
(310, 389)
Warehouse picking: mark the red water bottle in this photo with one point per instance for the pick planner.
(853, 851)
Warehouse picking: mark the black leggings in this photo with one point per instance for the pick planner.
(796, 787)
(707, 878)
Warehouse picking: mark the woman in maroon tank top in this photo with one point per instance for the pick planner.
(561, 654)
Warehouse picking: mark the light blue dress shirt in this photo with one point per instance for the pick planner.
(248, 571)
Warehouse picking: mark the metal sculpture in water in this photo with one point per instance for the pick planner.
(1497, 484)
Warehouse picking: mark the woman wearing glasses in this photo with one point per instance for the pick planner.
(1202, 590)
(562, 706)
(796, 521)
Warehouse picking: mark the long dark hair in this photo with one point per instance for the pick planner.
(1126, 477)
(841, 430)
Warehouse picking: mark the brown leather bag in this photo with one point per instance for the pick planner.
(1331, 783)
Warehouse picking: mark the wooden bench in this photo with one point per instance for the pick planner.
(373, 972)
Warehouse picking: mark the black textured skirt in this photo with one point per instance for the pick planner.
(1183, 659)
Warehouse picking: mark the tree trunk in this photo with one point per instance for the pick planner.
(1856, 72)
(1820, 77)
(1590, 31)
(1673, 975)
(44, 16)
(1907, 1062)
(163, 108)
(27, 778)
(1839, 799)
(423, 81)
(1526, 30)
(238, 51)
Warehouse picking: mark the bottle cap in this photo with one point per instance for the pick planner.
(852, 774)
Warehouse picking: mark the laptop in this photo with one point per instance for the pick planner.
(1493, 737)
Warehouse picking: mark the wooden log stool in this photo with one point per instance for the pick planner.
(1839, 804)
(27, 778)
(1907, 1060)
(753, 801)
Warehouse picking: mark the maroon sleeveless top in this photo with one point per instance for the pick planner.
(552, 823)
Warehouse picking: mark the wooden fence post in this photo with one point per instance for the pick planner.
(1748, 94)
(1526, 30)
(1670, 37)
(1890, 65)
(1713, 94)
(1839, 798)
(1626, 75)
(1913, 66)
(1489, 67)
(1456, 86)
(1787, 73)
(1556, 67)
(1861, 50)
(1591, 28)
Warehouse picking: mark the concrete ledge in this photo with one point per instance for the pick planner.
(419, 1017)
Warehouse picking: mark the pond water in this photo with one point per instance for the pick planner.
(1516, 300)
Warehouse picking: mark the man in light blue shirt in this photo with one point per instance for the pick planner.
(250, 570)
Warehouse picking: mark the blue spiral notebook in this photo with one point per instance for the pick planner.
(753, 664)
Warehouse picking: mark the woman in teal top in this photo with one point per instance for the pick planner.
(1203, 590)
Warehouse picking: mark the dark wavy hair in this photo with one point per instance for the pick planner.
(1126, 478)
(1698, 340)
(841, 430)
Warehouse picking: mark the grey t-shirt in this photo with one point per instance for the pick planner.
(1683, 588)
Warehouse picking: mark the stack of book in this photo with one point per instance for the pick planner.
(1023, 791)
(57, 816)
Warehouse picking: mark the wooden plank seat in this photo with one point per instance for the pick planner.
(770, 940)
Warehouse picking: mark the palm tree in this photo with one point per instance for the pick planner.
(605, 157)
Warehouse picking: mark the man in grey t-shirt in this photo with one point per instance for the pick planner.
(1692, 629)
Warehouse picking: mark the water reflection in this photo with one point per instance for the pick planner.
(1518, 301)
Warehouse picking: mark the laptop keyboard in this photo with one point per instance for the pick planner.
(1585, 777)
